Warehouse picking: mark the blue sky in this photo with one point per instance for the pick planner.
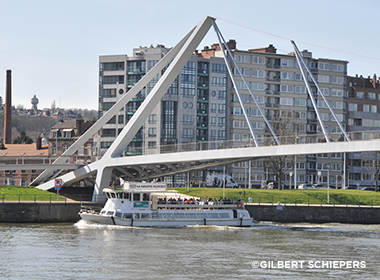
(52, 47)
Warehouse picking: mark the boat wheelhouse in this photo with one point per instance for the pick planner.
(144, 204)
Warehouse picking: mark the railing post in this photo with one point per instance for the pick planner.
(259, 200)
(272, 200)
(295, 202)
(19, 198)
(34, 198)
(359, 202)
(321, 201)
(371, 203)
(285, 201)
(3, 198)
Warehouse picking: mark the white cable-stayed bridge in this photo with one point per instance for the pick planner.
(185, 158)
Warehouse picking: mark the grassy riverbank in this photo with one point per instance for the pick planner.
(17, 193)
(316, 196)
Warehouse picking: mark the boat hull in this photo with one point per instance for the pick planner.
(109, 220)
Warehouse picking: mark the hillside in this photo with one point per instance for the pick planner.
(34, 126)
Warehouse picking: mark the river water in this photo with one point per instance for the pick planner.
(264, 251)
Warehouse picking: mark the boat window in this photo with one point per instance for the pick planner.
(103, 212)
(191, 215)
(202, 215)
(127, 196)
(145, 216)
(136, 197)
(224, 215)
(160, 216)
(213, 215)
(127, 216)
(167, 216)
(119, 195)
(145, 196)
(154, 215)
(136, 216)
(179, 216)
(113, 195)
(110, 212)
(118, 214)
(108, 195)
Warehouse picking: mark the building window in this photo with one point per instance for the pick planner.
(169, 110)
(54, 150)
(352, 107)
(152, 132)
(111, 66)
(187, 119)
(222, 95)
(152, 119)
(187, 133)
(323, 79)
(213, 121)
(221, 108)
(213, 108)
(222, 122)
(372, 95)
(360, 95)
(152, 144)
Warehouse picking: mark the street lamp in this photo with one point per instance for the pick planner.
(328, 183)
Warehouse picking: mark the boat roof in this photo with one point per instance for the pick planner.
(139, 191)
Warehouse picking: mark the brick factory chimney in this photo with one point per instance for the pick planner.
(8, 109)
(39, 143)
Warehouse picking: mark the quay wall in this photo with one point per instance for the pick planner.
(315, 214)
(26, 212)
(43, 212)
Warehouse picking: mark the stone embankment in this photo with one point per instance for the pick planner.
(48, 212)
(315, 213)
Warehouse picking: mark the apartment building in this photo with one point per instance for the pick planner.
(191, 115)
(363, 105)
(201, 109)
(276, 81)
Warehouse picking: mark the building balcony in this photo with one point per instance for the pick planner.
(313, 121)
(138, 138)
(203, 74)
(272, 105)
(202, 112)
(202, 86)
(273, 79)
(203, 100)
(202, 126)
(273, 66)
(135, 71)
(274, 92)
(202, 138)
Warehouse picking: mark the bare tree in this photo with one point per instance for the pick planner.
(286, 128)
(371, 162)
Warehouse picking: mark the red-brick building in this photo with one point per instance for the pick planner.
(22, 154)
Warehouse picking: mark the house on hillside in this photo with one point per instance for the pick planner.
(65, 133)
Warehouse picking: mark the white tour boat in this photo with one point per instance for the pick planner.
(138, 204)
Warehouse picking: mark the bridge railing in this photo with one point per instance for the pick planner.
(309, 138)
